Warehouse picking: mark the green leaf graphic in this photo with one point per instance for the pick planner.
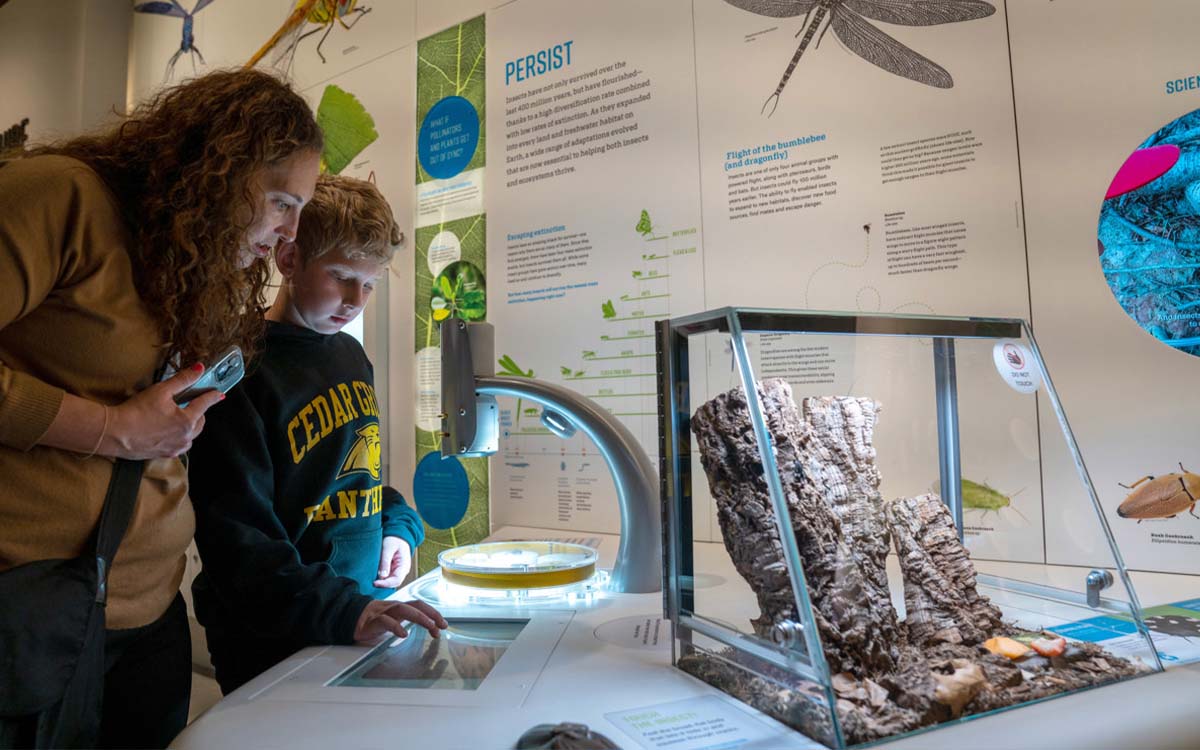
(608, 310)
(471, 233)
(509, 366)
(643, 226)
(451, 63)
(347, 126)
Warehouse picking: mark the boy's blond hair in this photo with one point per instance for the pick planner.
(349, 215)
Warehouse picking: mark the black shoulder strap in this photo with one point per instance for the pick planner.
(114, 519)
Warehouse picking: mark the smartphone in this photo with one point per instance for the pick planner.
(221, 375)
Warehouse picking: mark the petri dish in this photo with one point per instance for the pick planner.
(518, 565)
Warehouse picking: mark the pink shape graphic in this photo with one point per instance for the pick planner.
(1141, 167)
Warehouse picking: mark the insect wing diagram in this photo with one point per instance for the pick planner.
(849, 21)
(309, 17)
(188, 43)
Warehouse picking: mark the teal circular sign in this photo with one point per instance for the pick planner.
(448, 137)
(441, 490)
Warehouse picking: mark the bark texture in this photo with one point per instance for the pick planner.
(838, 456)
(939, 580)
(855, 619)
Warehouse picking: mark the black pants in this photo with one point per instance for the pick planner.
(147, 686)
(239, 657)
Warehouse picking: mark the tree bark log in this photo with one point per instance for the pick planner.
(940, 597)
(858, 629)
(839, 463)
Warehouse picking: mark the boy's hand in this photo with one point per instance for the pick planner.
(382, 616)
(394, 562)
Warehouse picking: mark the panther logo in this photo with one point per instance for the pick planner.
(364, 456)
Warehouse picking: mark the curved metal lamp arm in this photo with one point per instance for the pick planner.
(639, 558)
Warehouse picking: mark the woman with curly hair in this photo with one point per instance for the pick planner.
(123, 255)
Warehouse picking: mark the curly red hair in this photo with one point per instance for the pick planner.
(182, 168)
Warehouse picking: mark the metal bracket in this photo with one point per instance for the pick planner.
(458, 392)
(788, 634)
(946, 392)
(1097, 581)
(470, 422)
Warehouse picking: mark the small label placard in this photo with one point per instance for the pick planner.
(704, 723)
(1016, 366)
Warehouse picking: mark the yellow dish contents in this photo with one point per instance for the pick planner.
(518, 565)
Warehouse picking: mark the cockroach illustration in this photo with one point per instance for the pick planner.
(981, 497)
(1161, 497)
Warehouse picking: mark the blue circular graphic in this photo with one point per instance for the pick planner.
(448, 138)
(441, 490)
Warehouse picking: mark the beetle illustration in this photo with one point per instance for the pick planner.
(1161, 497)
(1183, 627)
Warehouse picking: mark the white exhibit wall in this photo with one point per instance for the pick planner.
(579, 155)
(64, 65)
(900, 196)
(1091, 86)
(856, 189)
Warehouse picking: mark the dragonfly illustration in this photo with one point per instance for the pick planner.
(848, 19)
(188, 44)
(322, 13)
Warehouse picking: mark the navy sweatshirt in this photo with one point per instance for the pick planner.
(290, 507)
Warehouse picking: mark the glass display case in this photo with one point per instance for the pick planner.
(879, 524)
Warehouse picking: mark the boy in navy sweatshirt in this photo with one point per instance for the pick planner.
(300, 540)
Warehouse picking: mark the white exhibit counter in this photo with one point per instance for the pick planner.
(605, 661)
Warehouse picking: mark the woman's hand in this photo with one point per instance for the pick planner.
(151, 424)
(383, 616)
